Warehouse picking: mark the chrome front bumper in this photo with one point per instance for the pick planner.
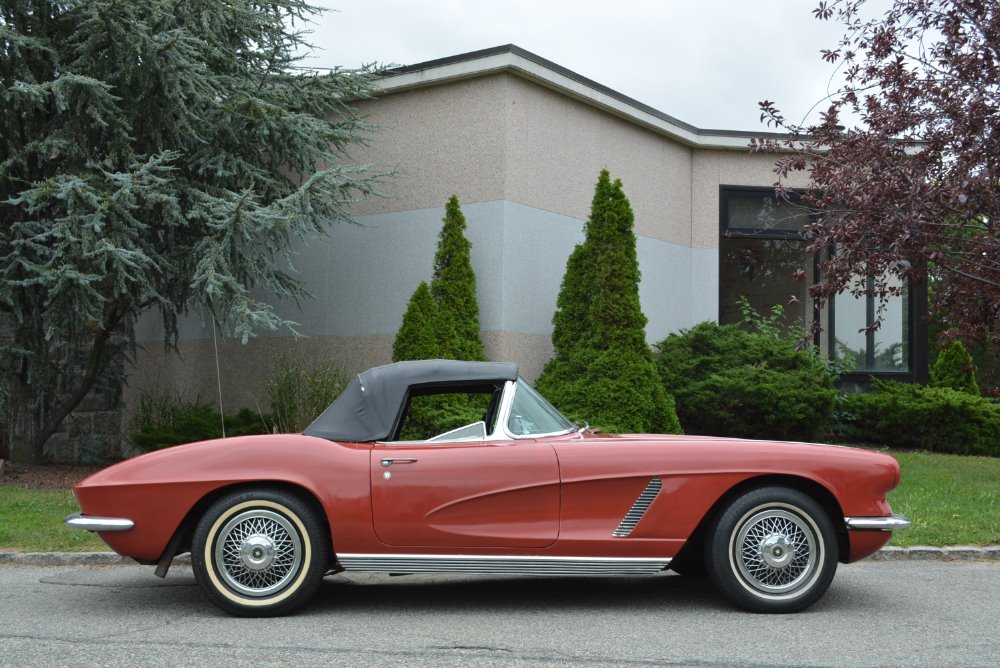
(88, 523)
(892, 523)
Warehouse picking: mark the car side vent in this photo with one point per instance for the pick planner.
(639, 508)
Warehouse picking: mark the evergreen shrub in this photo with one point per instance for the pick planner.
(621, 393)
(954, 369)
(417, 336)
(603, 372)
(906, 415)
(453, 287)
(164, 420)
(442, 322)
(729, 382)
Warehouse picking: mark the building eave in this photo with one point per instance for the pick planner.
(519, 62)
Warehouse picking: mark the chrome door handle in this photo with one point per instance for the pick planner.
(389, 461)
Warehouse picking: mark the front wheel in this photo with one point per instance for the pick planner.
(773, 549)
(259, 553)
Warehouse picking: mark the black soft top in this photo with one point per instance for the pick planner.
(367, 409)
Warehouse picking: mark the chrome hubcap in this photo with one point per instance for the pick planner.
(258, 552)
(775, 551)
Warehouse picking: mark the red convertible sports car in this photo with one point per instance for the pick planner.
(444, 466)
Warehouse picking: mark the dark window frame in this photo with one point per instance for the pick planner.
(916, 326)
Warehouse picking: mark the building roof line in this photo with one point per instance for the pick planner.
(512, 58)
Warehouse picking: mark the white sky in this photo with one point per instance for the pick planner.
(704, 62)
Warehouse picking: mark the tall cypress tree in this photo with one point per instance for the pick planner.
(454, 290)
(603, 370)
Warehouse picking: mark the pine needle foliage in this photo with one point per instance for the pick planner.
(159, 155)
(603, 371)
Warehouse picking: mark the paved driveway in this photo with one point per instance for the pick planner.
(876, 614)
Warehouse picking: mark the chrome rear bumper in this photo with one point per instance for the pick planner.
(893, 523)
(88, 523)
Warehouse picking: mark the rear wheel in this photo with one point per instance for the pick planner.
(259, 552)
(773, 549)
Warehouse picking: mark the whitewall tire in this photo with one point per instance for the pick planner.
(260, 552)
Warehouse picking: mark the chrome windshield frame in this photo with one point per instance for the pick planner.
(509, 391)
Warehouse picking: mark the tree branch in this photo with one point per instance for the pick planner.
(971, 277)
(94, 366)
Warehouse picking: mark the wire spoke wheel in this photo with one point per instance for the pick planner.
(258, 552)
(775, 551)
(772, 549)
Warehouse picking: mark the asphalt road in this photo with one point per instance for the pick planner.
(875, 614)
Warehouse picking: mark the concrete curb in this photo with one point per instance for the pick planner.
(75, 559)
(915, 553)
(949, 553)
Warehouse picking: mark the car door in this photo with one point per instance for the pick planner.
(465, 494)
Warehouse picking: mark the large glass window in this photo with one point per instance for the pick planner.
(762, 270)
(884, 349)
(756, 212)
(761, 252)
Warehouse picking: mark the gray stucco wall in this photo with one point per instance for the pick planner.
(363, 276)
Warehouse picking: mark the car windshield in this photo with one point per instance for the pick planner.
(531, 414)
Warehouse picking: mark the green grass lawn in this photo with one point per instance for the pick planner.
(952, 500)
(31, 520)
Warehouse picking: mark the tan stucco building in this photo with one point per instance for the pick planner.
(521, 141)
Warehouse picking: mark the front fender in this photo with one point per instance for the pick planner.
(158, 490)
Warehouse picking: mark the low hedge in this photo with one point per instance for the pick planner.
(904, 415)
(195, 421)
(730, 382)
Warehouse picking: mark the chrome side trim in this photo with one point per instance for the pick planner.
(89, 523)
(501, 564)
(638, 509)
(893, 523)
